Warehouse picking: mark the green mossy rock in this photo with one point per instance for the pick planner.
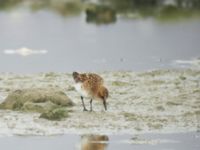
(56, 114)
(39, 107)
(36, 100)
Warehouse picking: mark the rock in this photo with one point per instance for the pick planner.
(37, 100)
(55, 114)
(100, 14)
(39, 107)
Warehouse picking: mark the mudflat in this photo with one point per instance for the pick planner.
(158, 101)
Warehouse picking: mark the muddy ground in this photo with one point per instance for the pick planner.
(159, 101)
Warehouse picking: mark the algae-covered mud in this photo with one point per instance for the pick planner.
(159, 101)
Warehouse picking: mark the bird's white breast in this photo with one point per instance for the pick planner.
(81, 90)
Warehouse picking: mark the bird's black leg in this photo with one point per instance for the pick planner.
(84, 108)
(104, 103)
(91, 105)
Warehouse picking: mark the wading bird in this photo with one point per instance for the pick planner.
(90, 85)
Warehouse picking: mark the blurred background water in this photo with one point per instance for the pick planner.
(97, 35)
(174, 141)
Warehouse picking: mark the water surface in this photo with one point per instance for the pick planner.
(137, 43)
(181, 141)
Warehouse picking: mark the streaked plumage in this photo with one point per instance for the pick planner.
(90, 85)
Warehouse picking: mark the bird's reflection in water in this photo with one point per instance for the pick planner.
(94, 142)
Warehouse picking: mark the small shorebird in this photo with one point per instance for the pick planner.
(90, 85)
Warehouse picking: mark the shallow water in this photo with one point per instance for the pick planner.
(73, 44)
(181, 141)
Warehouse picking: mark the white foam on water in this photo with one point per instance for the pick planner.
(194, 63)
(24, 51)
